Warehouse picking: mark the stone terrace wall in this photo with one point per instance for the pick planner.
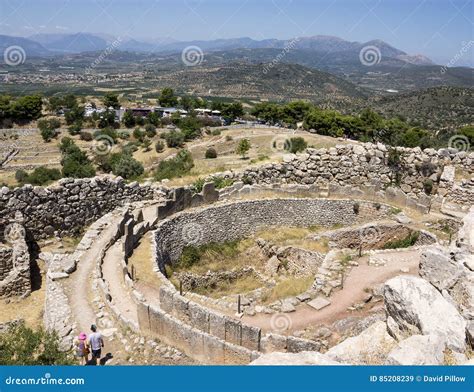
(361, 165)
(15, 276)
(70, 205)
(235, 220)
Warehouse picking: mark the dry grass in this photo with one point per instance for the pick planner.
(288, 287)
(142, 262)
(29, 309)
(237, 286)
(295, 236)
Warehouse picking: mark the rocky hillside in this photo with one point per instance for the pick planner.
(434, 108)
(245, 80)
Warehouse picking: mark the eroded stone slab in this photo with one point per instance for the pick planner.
(319, 303)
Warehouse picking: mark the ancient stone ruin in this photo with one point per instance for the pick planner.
(384, 284)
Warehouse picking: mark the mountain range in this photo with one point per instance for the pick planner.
(45, 45)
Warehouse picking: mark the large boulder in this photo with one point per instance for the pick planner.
(418, 350)
(437, 267)
(370, 347)
(302, 358)
(415, 307)
(465, 237)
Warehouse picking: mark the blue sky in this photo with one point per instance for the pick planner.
(439, 29)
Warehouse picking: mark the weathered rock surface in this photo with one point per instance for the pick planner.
(370, 347)
(418, 350)
(415, 307)
(437, 267)
(302, 358)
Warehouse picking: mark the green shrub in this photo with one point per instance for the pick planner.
(48, 128)
(178, 166)
(297, 144)
(21, 176)
(20, 345)
(86, 136)
(159, 146)
(139, 135)
(39, 176)
(74, 161)
(406, 242)
(174, 139)
(243, 147)
(126, 166)
(428, 186)
(211, 153)
(198, 185)
(216, 132)
(75, 129)
(150, 130)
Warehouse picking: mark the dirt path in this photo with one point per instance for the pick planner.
(80, 282)
(113, 275)
(359, 278)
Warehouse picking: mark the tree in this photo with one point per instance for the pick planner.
(111, 100)
(154, 119)
(243, 147)
(190, 127)
(26, 108)
(48, 128)
(74, 161)
(128, 119)
(167, 97)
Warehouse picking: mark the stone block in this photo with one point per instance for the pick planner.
(319, 303)
(251, 337)
(233, 331)
(217, 325)
(199, 317)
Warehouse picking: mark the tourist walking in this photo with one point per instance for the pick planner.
(96, 344)
(82, 351)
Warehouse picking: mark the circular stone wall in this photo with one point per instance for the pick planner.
(235, 220)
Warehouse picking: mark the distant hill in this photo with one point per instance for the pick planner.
(280, 82)
(31, 48)
(86, 42)
(71, 43)
(434, 108)
(390, 73)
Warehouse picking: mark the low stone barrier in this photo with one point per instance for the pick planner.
(235, 220)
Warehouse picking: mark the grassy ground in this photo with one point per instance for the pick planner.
(288, 287)
(29, 309)
(142, 262)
